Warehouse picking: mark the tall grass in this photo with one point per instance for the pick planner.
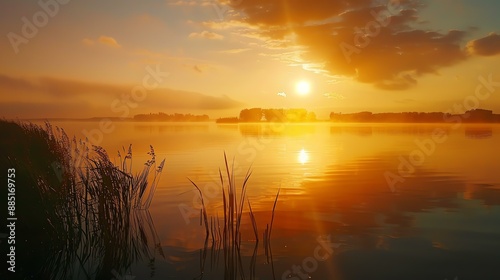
(110, 195)
(267, 232)
(77, 207)
(228, 237)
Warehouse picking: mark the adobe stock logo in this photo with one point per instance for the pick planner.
(363, 36)
(454, 116)
(40, 19)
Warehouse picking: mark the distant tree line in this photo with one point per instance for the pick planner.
(162, 117)
(476, 115)
(271, 115)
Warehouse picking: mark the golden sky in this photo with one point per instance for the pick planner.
(73, 58)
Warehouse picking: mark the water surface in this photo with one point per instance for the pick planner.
(438, 221)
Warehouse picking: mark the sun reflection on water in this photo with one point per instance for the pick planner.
(303, 156)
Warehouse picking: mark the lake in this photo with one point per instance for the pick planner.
(356, 201)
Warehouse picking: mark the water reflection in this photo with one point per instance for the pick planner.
(303, 157)
(479, 132)
(244, 262)
(441, 222)
(163, 128)
(370, 129)
(356, 130)
(276, 129)
(100, 250)
(433, 218)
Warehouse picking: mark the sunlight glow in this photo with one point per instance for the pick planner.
(303, 156)
(303, 87)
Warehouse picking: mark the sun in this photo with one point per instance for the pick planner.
(303, 88)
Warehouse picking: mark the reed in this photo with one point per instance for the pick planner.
(267, 232)
(227, 237)
(84, 209)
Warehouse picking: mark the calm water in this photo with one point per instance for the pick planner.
(338, 217)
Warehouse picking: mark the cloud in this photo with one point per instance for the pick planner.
(229, 24)
(105, 40)
(233, 51)
(384, 45)
(182, 3)
(206, 35)
(42, 110)
(486, 46)
(191, 3)
(109, 41)
(53, 97)
(333, 95)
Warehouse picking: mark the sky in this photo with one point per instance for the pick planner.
(80, 59)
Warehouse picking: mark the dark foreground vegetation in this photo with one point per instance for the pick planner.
(78, 213)
(81, 216)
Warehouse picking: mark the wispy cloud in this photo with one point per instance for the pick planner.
(182, 3)
(206, 35)
(104, 40)
(191, 3)
(333, 95)
(229, 24)
(233, 51)
(109, 41)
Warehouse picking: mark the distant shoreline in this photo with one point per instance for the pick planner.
(298, 116)
(130, 120)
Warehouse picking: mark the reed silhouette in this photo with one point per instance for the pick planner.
(225, 233)
(80, 216)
